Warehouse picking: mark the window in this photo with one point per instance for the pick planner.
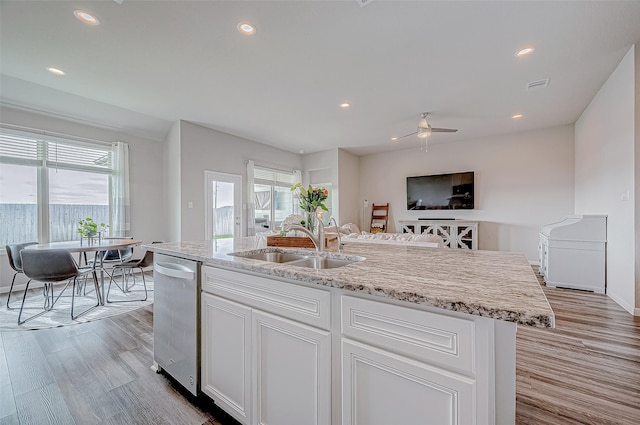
(60, 181)
(272, 197)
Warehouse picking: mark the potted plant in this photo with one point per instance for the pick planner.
(90, 229)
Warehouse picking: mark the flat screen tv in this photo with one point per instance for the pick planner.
(441, 192)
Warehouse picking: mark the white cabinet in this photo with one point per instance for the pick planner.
(382, 388)
(572, 253)
(457, 234)
(292, 372)
(226, 355)
(401, 365)
(277, 352)
(262, 362)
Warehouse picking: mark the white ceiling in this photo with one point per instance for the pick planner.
(150, 64)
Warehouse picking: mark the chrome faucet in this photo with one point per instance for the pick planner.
(318, 240)
(337, 232)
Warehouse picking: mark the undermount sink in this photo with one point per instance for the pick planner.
(274, 257)
(321, 263)
(309, 260)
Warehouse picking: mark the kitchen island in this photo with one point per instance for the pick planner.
(405, 334)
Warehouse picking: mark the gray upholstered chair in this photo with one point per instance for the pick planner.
(127, 269)
(49, 267)
(13, 254)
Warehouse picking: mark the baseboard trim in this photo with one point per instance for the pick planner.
(534, 263)
(624, 305)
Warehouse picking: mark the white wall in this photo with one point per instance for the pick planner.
(605, 135)
(171, 164)
(637, 173)
(146, 176)
(522, 181)
(348, 188)
(204, 149)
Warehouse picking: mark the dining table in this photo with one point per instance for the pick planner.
(98, 247)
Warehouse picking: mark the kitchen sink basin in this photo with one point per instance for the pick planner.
(273, 257)
(309, 260)
(321, 263)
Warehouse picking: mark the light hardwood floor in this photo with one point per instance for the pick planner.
(586, 371)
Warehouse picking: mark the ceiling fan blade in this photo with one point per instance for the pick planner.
(406, 135)
(443, 130)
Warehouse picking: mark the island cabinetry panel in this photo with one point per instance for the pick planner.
(258, 364)
(299, 303)
(424, 364)
(381, 388)
(456, 234)
(226, 355)
(292, 372)
(447, 342)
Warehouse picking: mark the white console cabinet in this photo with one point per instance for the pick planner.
(572, 253)
(457, 234)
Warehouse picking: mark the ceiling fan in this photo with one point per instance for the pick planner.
(424, 130)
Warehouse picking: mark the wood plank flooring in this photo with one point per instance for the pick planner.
(586, 371)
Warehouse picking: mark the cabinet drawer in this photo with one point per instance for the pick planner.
(300, 303)
(433, 338)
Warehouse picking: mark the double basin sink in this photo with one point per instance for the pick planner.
(276, 255)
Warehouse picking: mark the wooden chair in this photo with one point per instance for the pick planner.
(379, 218)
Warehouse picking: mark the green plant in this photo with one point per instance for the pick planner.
(88, 227)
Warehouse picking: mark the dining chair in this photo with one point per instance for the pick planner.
(49, 267)
(112, 256)
(13, 254)
(127, 268)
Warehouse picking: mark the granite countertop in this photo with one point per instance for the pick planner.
(500, 285)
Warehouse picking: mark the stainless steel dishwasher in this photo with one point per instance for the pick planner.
(176, 319)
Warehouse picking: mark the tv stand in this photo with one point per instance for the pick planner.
(457, 234)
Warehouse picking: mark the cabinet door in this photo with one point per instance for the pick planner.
(292, 366)
(226, 355)
(381, 388)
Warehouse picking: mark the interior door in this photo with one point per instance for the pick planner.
(223, 213)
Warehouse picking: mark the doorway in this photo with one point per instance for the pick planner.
(223, 214)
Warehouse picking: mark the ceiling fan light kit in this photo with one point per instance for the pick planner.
(425, 130)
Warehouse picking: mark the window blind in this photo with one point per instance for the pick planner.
(36, 150)
(273, 177)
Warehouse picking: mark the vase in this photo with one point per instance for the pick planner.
(310, 221)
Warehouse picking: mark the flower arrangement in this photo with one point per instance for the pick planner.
(89, 228)
(310, 199)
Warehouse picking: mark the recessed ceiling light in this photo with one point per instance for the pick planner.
(246, 28)
(525, 51)
(55, 71)
(394, 138)
(86, 17)
(345, 105)
(516, 116)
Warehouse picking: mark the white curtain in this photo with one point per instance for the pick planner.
(251, 206)
(297, 178)
(120, 201)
